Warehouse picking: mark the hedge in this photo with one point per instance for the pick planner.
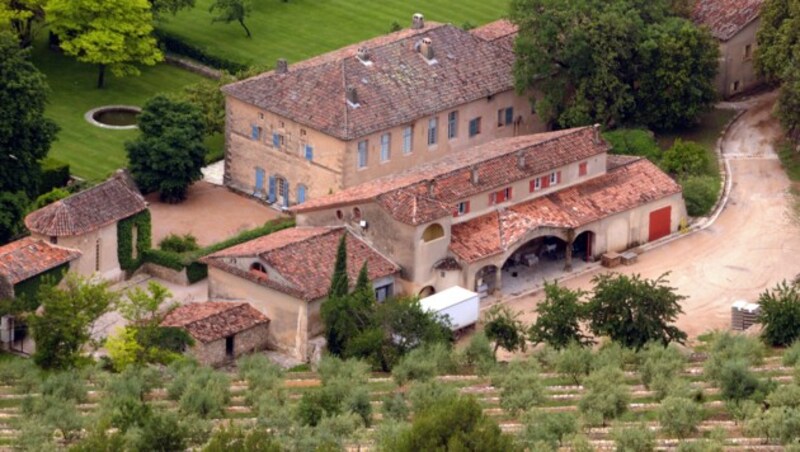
(196, 271)
(176, 45)
(55, 174)
(125, 239)
(25, 292)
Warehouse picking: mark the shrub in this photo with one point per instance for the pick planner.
(520, 386)
(206, 394)
(634, 142)
(423, 395)
(160, 431)
(262, 375)
(659, 367)
(19, 371)
(725, 347)
(164, 258)
(791, 356)
(125, 245)
(231, 438)
(423, 363)
(478, 353)
(779, 423)
(55, 174)
(179, 243)
(687, 158)
(634, 439)
(780, 314)
(50, 197)
(123, 348)
(69, 385)
(679, 416)
(606, 395)
(700, 193)
(738, 382)
(786, 395)
(175, 44)
(395, 407)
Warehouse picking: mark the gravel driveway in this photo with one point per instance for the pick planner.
(754, 244)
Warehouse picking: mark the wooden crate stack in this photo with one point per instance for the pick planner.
(744, 315)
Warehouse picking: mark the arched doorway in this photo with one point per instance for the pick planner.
(486, 280)
(583, 246)
(541, 258)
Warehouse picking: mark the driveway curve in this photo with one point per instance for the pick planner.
(753, 244)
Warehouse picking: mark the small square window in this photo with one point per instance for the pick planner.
(583, 169)
(309, 152)
(462, 208)
(474, 126)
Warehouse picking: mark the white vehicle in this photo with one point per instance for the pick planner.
(461, 306)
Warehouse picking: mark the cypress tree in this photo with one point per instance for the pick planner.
(340, 282)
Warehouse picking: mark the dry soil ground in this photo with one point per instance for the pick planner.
(754, 244)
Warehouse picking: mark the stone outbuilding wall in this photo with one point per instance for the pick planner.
(215, 353)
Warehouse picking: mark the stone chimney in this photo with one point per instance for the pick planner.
(426, 48)
(474, 175)
(363, 54)
(596, 139)
(282, 66)
(352, 96)
(417, 21)
(521, 160)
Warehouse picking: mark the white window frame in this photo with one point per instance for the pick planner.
(452, 125)
(553, 178)
(408, 140)
(386, 147)
(433, 131)
(363, 154)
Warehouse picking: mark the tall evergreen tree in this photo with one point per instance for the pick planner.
(340, 282)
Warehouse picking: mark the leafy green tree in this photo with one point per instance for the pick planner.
(558, 318)
(780, 314)
(479, 353)
(169, 153)
(686, 158)
(725, 347)
(575, 361)
(788, 108)
(634, 311)
(65, 323)
(778, 424)
(700, 193)
(113, 34)
(679, 55)
(161, 431)
(634, 142)
(24, 17)
(25, 134)
(660, 368)
(606, 396)
(232, 10)
(424, 363)
(209, 99)
(737, 382)
(679, 416)
(606, 61)
(503, 327)
(454, 424)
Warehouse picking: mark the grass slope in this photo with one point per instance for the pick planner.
(299, 29)
(93, 153)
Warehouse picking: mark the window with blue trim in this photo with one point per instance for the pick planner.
(309, 151)
(255, 132)
(276, 140)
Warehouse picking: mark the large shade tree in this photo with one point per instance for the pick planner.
(589, 61)
(169, 153)
(113, 34)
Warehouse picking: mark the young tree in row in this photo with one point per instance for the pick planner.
(169, 153)
(780, 314)
(67, 317)
(558, 318)
(232, 10)
(606, 396)
(503, 327)
(633, 311)
(113, 34)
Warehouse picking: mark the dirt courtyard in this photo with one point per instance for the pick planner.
(211, 213)
(754, 244)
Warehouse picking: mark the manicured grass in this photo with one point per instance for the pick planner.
(93, 153)
(299, 29)
(706, 132)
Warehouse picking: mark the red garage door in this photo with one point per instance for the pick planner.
(660, 223)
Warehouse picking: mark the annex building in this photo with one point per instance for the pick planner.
(371, 109)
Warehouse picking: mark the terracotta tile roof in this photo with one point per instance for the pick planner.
(500, 32)
(303, 258)
(89, 210)
(399, 86)
(622, 188)
(427, 192)
(726, 18)
(29, 257)
(210, 321)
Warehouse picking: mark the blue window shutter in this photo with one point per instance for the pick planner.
(286, 198)
(309, 153)
(509, 115)
(254, 132)
(301, 194)
(259, 180)
(272, 187)
(276, 140)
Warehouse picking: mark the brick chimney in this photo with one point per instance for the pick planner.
(282, 66)
(426, 48)
(417, 21)
(352, 96)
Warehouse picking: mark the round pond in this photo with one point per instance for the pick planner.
(114, 116)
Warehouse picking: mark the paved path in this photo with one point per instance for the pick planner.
(754, 244)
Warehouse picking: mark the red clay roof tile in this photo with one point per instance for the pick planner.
(726, 18)
(28, 257)
(623, 188)
(210, 321)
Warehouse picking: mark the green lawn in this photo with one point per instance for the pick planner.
(93, 153)
(299, 29)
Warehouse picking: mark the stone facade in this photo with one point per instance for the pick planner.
(98, 252)
(737, 71)
(215, 353)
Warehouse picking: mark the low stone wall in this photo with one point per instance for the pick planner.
(167, 274)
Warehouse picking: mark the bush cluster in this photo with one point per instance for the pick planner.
(176, 45)
(55, 174)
